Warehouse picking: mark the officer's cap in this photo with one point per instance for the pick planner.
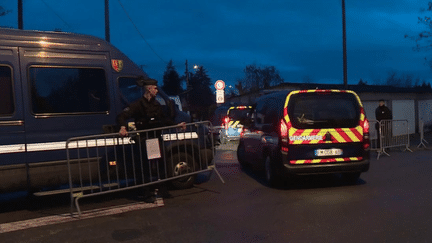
(142, 81)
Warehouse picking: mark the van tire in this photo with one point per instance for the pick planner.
(182, 163)
(271, 176)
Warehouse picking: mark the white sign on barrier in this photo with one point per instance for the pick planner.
(153, 150)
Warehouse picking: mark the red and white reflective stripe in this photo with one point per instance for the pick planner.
(330, 160)
(34, 147)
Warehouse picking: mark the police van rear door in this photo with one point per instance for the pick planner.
(67, 95)
(324, 127)
(12, 138)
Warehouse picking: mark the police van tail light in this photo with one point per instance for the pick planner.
(284, 135)
(366, 141)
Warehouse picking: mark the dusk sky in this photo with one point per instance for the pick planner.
(299, 38)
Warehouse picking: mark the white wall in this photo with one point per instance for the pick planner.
(403, 110)
(425, 113)
(369, 107)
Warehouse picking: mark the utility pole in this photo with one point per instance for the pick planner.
(20, 15)
(107, 25)
(345, 76)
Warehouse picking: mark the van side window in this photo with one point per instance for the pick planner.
(68, 90)
(6, 91)
(129, 89)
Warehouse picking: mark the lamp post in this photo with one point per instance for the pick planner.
(344, 47)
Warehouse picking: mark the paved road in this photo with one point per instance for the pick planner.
(391, 203)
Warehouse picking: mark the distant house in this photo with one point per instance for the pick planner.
(412, 104)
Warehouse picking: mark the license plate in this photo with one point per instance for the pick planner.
(328, 152)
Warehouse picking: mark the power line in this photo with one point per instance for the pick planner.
(130, 19)
(58, 16)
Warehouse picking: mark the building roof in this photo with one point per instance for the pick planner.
(355, 88)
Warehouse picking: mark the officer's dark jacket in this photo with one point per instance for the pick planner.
(383, 113)
(147, 114)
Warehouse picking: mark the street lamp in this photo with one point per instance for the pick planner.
(195, 67)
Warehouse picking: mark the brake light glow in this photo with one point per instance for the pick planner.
(283, 129)
(226, 122)
(284, 136)
(366, 126)
(366, 141)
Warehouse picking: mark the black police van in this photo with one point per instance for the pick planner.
(54, 86)
(306, 132)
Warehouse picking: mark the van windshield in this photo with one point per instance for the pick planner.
(129, 89)
(237, 114)
(323, 110)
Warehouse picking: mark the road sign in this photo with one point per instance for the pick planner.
(220, 85)
(220, 97)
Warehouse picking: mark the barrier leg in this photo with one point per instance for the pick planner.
(213, 168)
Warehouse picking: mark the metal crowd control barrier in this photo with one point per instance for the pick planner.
(422, 139)
(393, 133)
(108, 163)
(373, 135)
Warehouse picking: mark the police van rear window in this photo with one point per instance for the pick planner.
(237, 114)
(323, 110)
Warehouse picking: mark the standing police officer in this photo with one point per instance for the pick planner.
(147, 113)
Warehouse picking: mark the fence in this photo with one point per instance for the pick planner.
(393, 133)
(422, 139)
(109, 163)
(373, 135)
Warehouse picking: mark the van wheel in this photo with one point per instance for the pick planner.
(271, 175)
(241, 155)
(179, 164)
(351, 178)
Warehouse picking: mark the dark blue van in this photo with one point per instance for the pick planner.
(54, 86)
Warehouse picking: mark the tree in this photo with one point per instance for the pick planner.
(171, 80)
(422, 39)
(259, 78)
(239, 87)
(3, 11)
(393, 80)
(361, 82)
(403, 80)
(201, 97)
